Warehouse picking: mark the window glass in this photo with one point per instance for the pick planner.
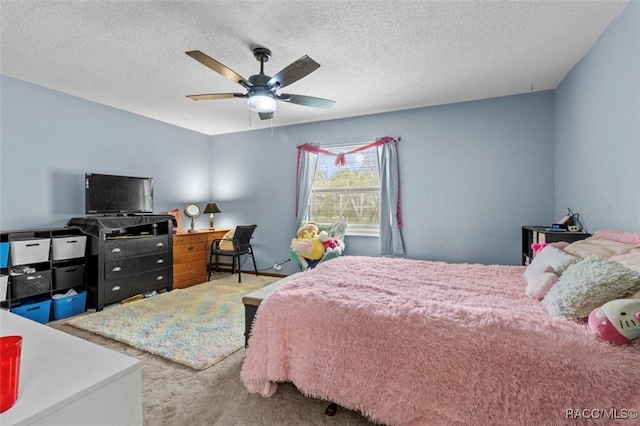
(349, 192)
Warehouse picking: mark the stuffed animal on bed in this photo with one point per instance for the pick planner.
(617, 321)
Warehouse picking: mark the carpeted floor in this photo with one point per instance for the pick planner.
(174, 394)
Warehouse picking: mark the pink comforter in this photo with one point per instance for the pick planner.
(410, 342)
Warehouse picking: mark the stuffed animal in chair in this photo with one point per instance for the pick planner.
(617, 321)
(312, 246)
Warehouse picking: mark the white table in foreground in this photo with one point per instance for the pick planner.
(65, 380)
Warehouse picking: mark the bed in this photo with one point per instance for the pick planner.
(409, 342)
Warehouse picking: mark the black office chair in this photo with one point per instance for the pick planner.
(241, 246)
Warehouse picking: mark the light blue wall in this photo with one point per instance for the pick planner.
(472, 174)
(598, 130)
(48, 140)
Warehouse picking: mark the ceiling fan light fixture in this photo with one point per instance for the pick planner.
(262, 101)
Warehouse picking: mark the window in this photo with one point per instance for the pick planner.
(349, 192)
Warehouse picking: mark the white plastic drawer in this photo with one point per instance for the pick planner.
(68, 247)
(24, 252)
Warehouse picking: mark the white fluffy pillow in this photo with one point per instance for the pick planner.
(551, 256)
(588, 284)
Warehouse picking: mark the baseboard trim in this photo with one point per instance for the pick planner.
(266, 274)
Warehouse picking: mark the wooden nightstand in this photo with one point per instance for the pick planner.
(190, 256)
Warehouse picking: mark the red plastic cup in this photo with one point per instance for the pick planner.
(10, 348)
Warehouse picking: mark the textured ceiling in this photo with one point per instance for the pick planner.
(375, 56)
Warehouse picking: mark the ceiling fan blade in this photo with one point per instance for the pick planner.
(219, 68)
(211, 96)
(309, 101)
(294, 72)
(265, 115)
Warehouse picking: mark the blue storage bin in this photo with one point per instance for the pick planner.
(36, 310)
(4, 254)
(70, 305)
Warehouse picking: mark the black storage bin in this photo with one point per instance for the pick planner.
(30, 284)
(68, 277)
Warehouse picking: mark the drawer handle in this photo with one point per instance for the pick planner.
(160, 244)
(160, 261)
(71, 270)
(72, 241)
(190, 248)
(160, 277)
(117, 269)
(115, 250)
(31, 277)
(32, 245)
(116, 288)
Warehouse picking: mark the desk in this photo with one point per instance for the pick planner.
(190, 256)
(65, 380)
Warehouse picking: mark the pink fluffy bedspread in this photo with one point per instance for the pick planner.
(410, 342)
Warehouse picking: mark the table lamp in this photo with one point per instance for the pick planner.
(211, 208)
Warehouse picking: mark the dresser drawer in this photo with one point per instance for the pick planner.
(127, 247)
(120, 268)
(217, 234)
(117, 290)
(188, 252)
(189, 239)
(188, 282)
(188, 274)
(199, 266)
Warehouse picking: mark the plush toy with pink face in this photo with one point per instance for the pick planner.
(617, 321)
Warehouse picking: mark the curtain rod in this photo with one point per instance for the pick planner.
(399, 138)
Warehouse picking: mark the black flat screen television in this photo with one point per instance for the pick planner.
(110, 194)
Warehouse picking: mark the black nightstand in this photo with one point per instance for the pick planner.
(543, 234)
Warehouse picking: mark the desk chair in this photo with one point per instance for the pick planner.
(241, 246)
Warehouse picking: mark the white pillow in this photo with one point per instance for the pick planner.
(541, 283)
(227, 245)
(551, 256)
(587, 285)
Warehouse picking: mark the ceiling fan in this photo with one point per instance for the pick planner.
(262, 89)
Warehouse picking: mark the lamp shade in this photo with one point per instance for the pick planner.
(211, 208)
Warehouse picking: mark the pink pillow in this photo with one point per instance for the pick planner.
(541, 282)
(632, 238)
(631, 260)
(560, 244)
